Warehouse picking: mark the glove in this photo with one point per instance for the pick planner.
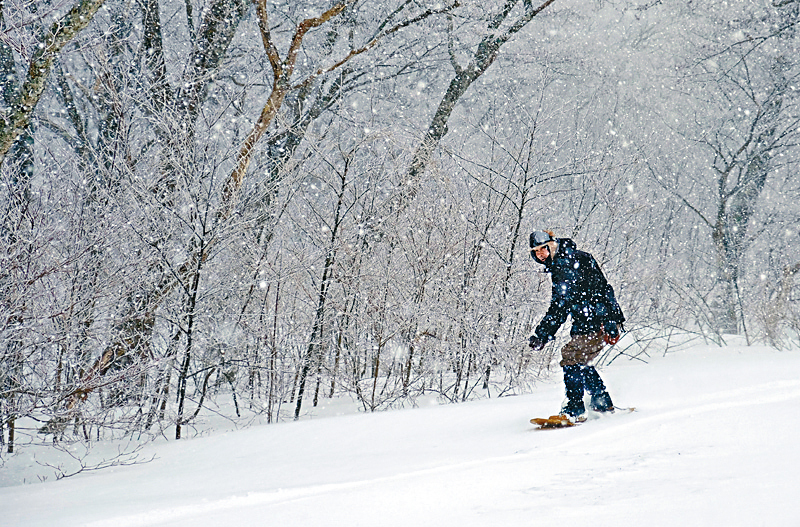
(536, 343)
(608, 339)
(610, 333)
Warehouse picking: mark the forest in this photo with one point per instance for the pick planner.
(249, 207)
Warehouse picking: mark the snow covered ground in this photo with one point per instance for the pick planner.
(714, 442)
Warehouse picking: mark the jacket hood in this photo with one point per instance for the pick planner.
(567, 245)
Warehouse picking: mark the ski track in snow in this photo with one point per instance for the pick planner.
(283, 496)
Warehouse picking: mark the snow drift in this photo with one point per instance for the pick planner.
(713, 442)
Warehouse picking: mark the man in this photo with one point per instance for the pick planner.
(580, 290)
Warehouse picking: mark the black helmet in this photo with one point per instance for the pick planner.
(540, 238)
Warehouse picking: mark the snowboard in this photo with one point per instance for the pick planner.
(554, 421)
(563, 421)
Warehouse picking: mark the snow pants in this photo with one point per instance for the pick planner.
(582, 349)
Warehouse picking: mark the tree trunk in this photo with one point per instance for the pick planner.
(483, 58)
(11, 434)
(59, 35)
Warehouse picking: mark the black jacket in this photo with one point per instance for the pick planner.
(579, 289)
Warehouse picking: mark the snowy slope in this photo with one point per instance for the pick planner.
(714, 442)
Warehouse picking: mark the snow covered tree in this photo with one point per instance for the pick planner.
(740, 89)
(254, 206)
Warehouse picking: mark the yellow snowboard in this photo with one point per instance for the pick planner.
(563, 421)
(554, 421)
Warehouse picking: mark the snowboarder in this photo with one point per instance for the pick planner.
(579, 289)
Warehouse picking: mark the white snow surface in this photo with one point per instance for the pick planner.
(714, 442)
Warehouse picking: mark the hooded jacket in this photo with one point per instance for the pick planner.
(579, 289)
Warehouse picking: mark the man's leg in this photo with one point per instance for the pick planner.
(601, 401)
(573, 382)
(574, 356)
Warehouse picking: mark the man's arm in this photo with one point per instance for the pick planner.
(556, 314)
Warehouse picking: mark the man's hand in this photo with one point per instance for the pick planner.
(536, 343)
(610, 333)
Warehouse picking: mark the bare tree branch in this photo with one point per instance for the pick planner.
(59, 35)
(283, 70)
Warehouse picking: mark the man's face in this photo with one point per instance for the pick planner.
(541, 252)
